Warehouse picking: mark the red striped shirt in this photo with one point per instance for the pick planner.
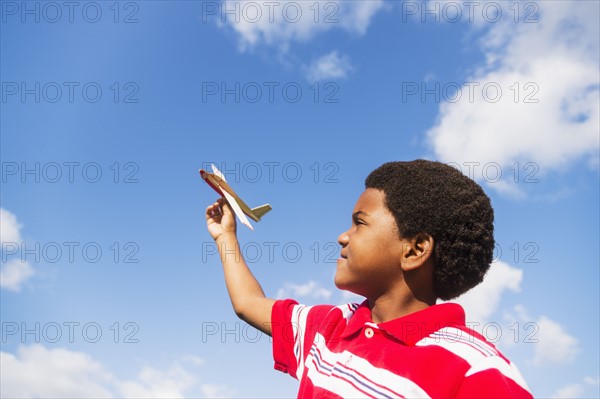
(339, 352)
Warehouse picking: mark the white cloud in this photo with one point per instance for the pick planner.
(579, 390)
(10, 229)
(548, 112)
(153, 383)
(217, 391)
(555, 345)
(194, 360)
(570, 391)
(312, 290)
(36, 371)
(329, 66)
(483, 300)
(14, 273)
(280, 23)
(591, 380)
(552, 344)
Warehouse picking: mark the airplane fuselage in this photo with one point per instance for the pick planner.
(209, 178)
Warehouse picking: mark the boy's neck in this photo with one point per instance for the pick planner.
(386, 308)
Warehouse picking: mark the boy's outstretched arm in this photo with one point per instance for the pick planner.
(247, 297)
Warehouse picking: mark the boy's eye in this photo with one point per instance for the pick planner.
(357, 219)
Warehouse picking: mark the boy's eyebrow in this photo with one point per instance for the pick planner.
(358, 213)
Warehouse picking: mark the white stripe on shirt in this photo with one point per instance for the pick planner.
(351, 376)
(495, 362)
(479, 354)
(299, 316)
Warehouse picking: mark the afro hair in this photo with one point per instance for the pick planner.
(437, 199)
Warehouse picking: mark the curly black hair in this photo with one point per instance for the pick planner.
(437, 199)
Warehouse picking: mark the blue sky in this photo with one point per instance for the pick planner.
(110, 284)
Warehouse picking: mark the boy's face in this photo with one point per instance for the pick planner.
(369, 263)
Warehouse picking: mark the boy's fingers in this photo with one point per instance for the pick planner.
(225, 208)
(208, 211)
(213, 210)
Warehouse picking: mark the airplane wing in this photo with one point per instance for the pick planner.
(217, 172)
(232, 201)
(237, 210)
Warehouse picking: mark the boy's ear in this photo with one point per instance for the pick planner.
(416, 251)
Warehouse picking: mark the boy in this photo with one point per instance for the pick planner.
(420, 231)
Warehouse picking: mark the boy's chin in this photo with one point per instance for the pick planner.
(339, 282)
(343, 285)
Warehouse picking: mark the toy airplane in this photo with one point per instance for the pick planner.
(217, 181)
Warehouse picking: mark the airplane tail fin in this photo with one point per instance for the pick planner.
(260, 211)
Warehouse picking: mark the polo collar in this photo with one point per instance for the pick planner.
(413, 327)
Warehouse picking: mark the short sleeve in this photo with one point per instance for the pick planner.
(494, 377)
(294, 327)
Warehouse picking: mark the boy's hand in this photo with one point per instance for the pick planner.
(220, 219)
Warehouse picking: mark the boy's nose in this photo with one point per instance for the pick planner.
(343, 239)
